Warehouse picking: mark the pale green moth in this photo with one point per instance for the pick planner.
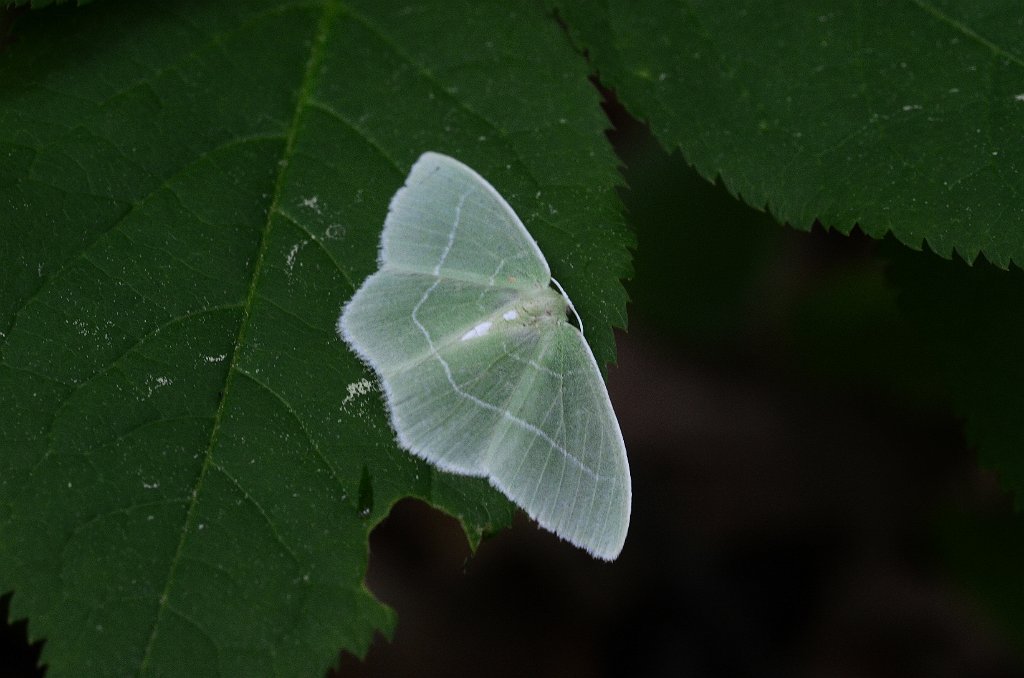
(482, 372)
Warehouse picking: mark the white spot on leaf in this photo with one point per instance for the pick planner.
(357, 388)
(290, 259)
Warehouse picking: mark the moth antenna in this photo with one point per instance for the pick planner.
(568, 301)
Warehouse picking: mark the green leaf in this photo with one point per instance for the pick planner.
(897, 116)
(190, 459)
(38, 4)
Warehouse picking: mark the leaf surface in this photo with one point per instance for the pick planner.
(190, 458)
(894, 116)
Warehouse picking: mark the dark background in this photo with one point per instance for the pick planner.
(804, 503)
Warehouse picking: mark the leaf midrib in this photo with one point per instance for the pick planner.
(967, 31)
(330, 9)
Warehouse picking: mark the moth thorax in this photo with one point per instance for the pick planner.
(546, 305)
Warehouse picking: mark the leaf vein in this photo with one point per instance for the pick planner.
(311, 70)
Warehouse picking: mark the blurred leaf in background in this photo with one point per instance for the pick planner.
(970, 319)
